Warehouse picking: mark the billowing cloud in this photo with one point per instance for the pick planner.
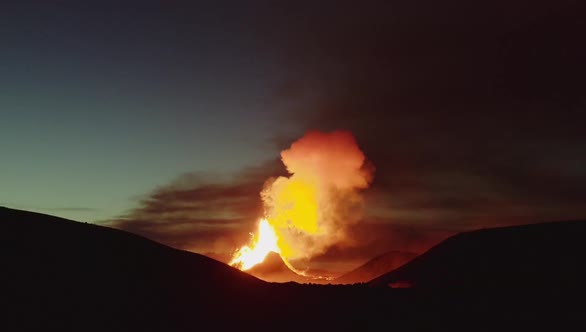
(313, 208)
(201, 212)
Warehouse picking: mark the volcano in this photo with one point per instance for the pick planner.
(274, 269)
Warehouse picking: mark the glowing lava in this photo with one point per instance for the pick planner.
(312, 209)
(261, 245)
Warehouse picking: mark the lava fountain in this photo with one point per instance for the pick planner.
(311, 209)
(261, 245)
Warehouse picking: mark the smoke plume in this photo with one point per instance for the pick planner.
(313, 207)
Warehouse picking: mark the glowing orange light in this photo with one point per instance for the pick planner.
(306, 212)
(262, 244)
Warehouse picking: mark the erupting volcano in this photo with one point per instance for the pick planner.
(310, 211)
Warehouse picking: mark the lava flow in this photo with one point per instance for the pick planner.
(311, 210)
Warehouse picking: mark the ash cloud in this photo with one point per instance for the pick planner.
(471, 112)
(201, 212)
(313, 208)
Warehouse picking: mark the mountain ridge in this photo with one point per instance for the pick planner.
(64, 275)
(532, 255)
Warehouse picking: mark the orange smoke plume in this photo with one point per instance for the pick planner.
(310, 210)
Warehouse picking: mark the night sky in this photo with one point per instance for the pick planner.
(165, 118)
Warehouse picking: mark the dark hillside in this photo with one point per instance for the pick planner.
(61, 275)
(375, 267)
(71, 273)
(542, 257)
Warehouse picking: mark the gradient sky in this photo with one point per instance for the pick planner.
(124, 114)
(102, 103)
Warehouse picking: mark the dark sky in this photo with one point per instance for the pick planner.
(165, 118)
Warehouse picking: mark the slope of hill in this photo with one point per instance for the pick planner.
(546, 257)
(60, 275)
(375, 267)
(71, 273)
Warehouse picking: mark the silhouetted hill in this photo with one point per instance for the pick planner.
(84, 272)
(546, 257)
(61, 275)
(220, 257)
(375, 267)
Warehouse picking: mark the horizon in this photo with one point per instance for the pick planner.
(273, 271)
(167, 120)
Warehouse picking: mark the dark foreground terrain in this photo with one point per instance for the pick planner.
(61, 275)
(375, 267)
